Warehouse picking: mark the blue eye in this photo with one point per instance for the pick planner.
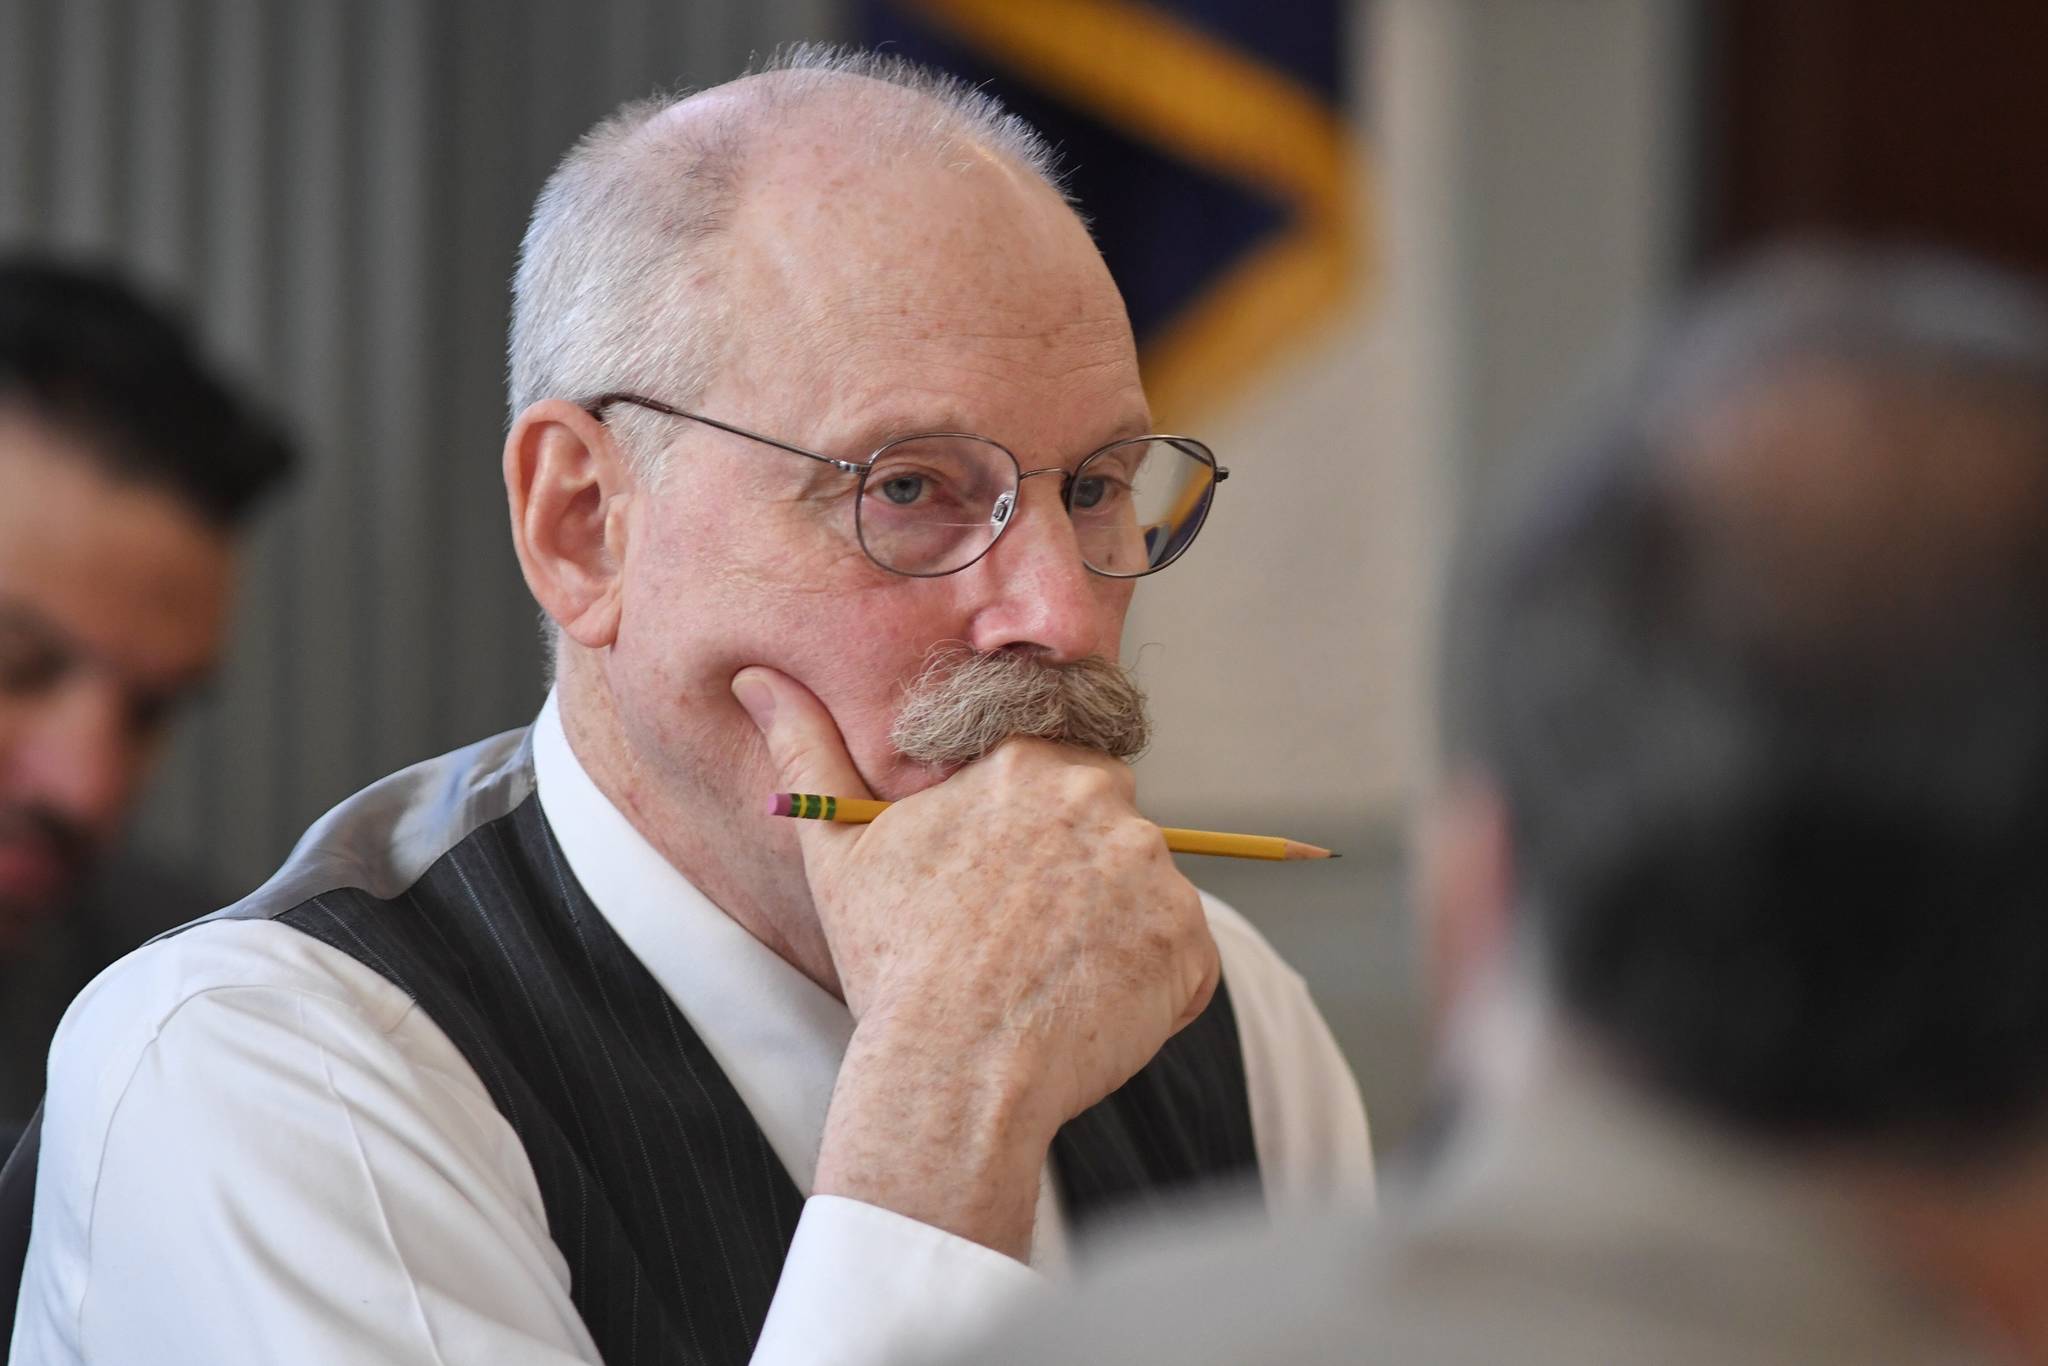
(903, 489)
(1088, 492)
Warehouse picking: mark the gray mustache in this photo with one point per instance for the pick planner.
(965, 703)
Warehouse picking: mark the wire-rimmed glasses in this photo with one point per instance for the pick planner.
(933, 503)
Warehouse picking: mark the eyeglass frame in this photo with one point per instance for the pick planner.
(1201, 453)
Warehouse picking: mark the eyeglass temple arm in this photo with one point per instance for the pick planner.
(1222, 471)
(597, 406)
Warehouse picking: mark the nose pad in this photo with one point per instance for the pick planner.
(1000, 513)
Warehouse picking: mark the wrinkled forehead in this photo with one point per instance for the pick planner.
(835, 266)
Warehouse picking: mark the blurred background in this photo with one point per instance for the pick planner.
(1371, 247)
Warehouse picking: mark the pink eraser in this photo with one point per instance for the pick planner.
(779, 804)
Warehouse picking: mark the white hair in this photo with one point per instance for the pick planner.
(619, 284)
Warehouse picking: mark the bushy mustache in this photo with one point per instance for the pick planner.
(965, 702)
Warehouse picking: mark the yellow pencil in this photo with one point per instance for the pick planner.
(860, 810)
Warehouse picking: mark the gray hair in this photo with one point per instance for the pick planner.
(1768, 704)
(619, 285)
(965, 703)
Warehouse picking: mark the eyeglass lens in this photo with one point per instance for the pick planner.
(933, 504)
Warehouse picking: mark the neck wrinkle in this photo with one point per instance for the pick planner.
(715, 839)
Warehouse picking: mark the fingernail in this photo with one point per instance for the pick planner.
(756, 696)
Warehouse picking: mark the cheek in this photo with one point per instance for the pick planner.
(699, 613)
(857, 664)
(698, 610)
(855, 650)
(1114, 595)
(701, 589)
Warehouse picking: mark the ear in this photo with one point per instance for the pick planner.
(1467, 889)
(568, 486)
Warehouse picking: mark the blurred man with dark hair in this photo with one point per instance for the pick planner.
(126, 468)
(1751, 724)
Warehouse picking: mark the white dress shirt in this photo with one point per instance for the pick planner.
(264, 1152)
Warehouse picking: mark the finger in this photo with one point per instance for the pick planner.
(1029, 749)
(804, 747)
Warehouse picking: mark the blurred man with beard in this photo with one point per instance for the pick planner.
(126, 469)
(830, 468)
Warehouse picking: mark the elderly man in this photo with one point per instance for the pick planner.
(1755, 715)
(558, 1049)
(126, 470)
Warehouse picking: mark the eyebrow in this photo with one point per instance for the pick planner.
(872, 435)
(180, 693)
(18, 617)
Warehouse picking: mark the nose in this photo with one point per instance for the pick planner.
(78, 756)
(1032, 590)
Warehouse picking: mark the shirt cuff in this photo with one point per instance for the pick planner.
(863, 1285)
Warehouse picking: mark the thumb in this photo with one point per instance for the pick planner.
(804, 746)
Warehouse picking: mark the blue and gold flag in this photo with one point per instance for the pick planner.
(1205, 139)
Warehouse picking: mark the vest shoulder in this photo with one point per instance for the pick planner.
(381, 840)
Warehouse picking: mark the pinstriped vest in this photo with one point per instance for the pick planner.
(668, 1204)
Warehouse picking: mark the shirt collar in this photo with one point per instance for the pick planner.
(778, 1036)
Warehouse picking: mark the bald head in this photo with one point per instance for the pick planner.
(1854, 505)
(1762, 672)
(650, 241)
